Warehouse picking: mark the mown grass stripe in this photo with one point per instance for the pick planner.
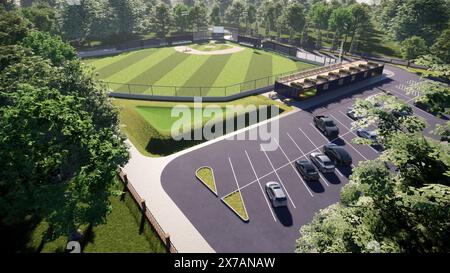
(235, 69)
(141, 65)
(206, 74)
(155, 72)
(121, 64)
(182, 72)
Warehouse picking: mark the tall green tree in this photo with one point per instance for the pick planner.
(235, 13)
(319, 15)
(295, 18)
(433, 94)
(441, 48)
(214, 15)
(424, 18)
(43, 17)
(413, 47)
(129, 15)
(340, 22)
(161, 19)
(60, 144)
(180, 17)
(49, 47)
(198, 16)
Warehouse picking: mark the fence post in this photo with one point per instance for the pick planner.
(175, 88)
(200, 91)
(129, 90)
(167, 241)
(151, 89)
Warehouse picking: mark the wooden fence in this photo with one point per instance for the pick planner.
(165, 237)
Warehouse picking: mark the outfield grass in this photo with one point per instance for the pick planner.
(147, 123)
(120, 233)
(167, 67)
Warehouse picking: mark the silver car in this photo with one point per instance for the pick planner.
(352, 114)
(367, 134)
(276, 194)
(322, 162)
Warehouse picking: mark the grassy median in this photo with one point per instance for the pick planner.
(236, 203)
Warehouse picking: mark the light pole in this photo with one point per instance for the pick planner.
(245, 13)
(184, 14)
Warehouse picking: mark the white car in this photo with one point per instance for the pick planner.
(276, 194)
(367, 134)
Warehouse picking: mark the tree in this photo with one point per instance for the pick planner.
(49, 47)
(441, 48)
(295, 18)
(43, 18)
(77, 20)
(413, 47)
(235, 12)
(319, 16)
(340, 22)
(13, 27)
(129, 15)
(198, 16)
(214, 15)
(389, 114)
(250, 15)
(180, 16)
(60, 144)
(360, 21)
(161, 19)
(378, 213)
(422, 18)
(435, 95)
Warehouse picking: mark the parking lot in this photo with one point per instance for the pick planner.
(242, 164)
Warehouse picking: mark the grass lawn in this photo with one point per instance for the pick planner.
(207, 177)
(235, 201)
(166, 67)
(120, 233)
(147, 123)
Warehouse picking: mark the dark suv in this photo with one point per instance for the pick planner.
(337, 154)
(307, 170)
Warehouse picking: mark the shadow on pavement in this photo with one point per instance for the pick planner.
(284, 215)
(332, 178)
(315, 186)
(345, 170)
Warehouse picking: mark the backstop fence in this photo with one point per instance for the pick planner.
(193, 91)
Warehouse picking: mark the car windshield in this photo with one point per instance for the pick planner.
(327, 163)
(281, 198)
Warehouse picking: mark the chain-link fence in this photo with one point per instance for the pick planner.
(193, 91)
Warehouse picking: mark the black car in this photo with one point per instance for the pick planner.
(337, 154)
(307, 170)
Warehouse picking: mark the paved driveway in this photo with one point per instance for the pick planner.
(243, 164)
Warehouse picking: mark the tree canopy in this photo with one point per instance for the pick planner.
(60, 144)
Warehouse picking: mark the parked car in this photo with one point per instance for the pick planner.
(307, 170)
(337, 154)
(276, 194)
(352, 114)
(404, 112)
(327, 126)
(367, 134)
(322, 162)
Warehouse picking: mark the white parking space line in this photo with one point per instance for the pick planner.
(349, 144)
(352, 131)
(234, 174)
(281, 182)
(295, 143)
(339, 172)
(292, 165)
(262, 191)
(286, 164)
